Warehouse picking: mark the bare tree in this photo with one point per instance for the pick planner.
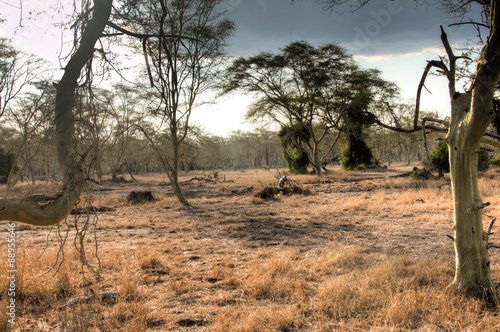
(184, 43)
(17, 71)
(126, 111)
(31, 115)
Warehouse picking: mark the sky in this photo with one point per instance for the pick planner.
(394, 36)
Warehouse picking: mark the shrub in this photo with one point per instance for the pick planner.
(358, 155)
(291, 138)
(441, 161)
(440, 158)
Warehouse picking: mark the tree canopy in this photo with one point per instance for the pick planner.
(319, 89)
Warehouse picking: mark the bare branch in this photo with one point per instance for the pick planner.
(393, 115)
(473, 23)
(421, 85)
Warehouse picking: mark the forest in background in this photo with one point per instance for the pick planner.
(108, 128)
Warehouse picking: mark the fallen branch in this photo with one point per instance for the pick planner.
(113, 296)
(199, 179)
(91, 210)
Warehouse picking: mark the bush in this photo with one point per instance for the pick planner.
(358, 155)
(291, 138)
(441, 161)
(440, 158)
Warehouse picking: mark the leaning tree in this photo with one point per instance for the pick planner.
(472, 111)
(203, 43)
(31, 210)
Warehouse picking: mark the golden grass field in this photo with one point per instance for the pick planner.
(363, 252)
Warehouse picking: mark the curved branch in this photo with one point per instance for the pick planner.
(29, 210)
(411, 130)
(473, 23)
(421, 85)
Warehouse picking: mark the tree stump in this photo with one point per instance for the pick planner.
(138, 197)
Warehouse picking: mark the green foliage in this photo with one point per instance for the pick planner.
(484, 160)
(440, 158)
(6, 160)
(441, 161)
(295, 156)
(357, 155)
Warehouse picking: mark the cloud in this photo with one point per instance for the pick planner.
(374, 29)
(385, 57)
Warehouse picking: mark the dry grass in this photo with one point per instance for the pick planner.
(365, 252)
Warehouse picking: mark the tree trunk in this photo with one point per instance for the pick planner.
(29, 159)
(471, 115)
(317, 159)
(472, 259)
(174, 178)
(178, 190)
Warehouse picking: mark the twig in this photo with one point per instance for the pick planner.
(396, 122)
(482, 206)
(488, 232)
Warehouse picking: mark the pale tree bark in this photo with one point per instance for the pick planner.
(31, 210)
(472, 113)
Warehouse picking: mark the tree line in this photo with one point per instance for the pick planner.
(108, 128)
(322, 121)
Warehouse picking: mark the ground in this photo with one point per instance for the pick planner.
(356, 251)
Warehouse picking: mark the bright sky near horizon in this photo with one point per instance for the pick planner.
(394, 36)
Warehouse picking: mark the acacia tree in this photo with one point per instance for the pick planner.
(291, 86)
(346, 107)
(183, 43)
(471, 113)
